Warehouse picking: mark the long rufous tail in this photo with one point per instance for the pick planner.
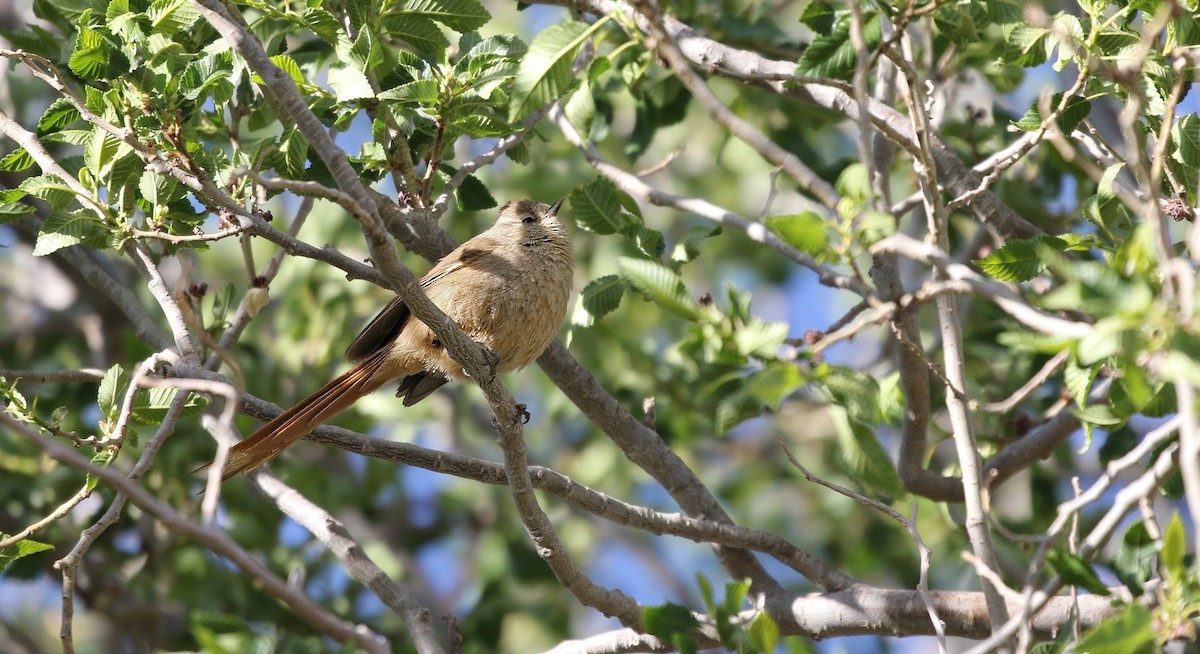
(308, 414)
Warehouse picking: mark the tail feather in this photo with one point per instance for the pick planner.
(295, 423)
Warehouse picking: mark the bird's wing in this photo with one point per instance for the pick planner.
(381, 331)
(387, 325)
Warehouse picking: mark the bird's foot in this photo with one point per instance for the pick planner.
(522, 414)
(491, 359)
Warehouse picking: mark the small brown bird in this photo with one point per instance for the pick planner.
(507, 288)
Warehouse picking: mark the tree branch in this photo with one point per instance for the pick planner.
(304, 607)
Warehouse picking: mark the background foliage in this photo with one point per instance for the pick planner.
(778, 285)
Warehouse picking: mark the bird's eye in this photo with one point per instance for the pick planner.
(529, 220)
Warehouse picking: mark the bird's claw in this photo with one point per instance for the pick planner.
(491, 359)
(522, 414)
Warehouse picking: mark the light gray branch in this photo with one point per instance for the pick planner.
(304, 607)
(337, 539)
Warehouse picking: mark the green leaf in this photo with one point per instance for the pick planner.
(58, 115)
(760, 338)
(818, 16)
(1134, 563)
(102, 458)
(1076, 110)
(100, 152)
(1173, 549)
(150, 404)
(544, 74)
(112, 386)
(293, 148)
(1022, 260)
(650, 242)
(21, 549)
(458, 15)
(423, 91)
(706, 593)
(580, 110)
(320, 21)
(418, 31)
(833, 54)
(10, 211)
(159, 189)
(63, 229)
(288, 65)
(49, 188)
(602, 296)
(16, 161)
(1078, 380)
(1004, 11)
(171, 16)
(71, 136)
(727, 630)
(349, 83)
(673, 624)
(597, 207)
(688, 247)
(856, 392)
(1124, 634)
(854, 182)
(472, 195)
(1026, 45)
(861, 452)
(208, 77)
(735, 595)
(764, 632)
(774, 382)
(1100, 415)
(662, 284)
(1075, 571)
(803, 231)
(1185, 135)
(482, 126)
(89, 59)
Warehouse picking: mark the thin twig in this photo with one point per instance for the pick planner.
(636, 187)
(303, 606)
(53, 376)
(1002, 295)
(357, 562)
(188, 238)
(744, 131)
(52, 517)
(1035, 382)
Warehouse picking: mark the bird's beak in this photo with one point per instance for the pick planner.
(553, 210)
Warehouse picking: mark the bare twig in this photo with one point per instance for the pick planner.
(503, 145)
(635, 186)
(188, 238)
(304, 607)
(910, 525)
(741, 129)
(53, 376)
(50, 518)
(166, 301)
(970, 463)
(1004, 296)
(333, 535)
(1004, 406)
